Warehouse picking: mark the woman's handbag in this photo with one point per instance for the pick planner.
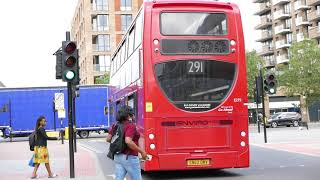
(31, 163)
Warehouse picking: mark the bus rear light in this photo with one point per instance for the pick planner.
(152, 146)
(156, 42)
(151, 136)
(233, 43)
(243, 144)
(243, 134)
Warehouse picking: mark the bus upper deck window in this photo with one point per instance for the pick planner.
(193, 23)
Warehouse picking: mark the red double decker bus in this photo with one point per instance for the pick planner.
(181, 66)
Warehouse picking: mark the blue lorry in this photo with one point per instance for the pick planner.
(20, 108)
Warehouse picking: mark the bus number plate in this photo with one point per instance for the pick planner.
(198, 162)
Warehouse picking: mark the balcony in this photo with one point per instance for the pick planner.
(270, 63)
(266, 50)
(279, 2)
(314, 32)
(265, 36)
(302, 21)
(282, 44)
(281, 14)
(282, 59)
(301, 5)
(313, 2)
(265, 22)
(264, 8)
(282, 29)
(314, 15)
(300, 37)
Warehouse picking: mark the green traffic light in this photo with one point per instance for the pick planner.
(70, 75)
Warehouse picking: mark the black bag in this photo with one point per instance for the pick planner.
(32, 140)
(117, 144)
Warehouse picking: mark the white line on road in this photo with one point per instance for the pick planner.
(91, 148)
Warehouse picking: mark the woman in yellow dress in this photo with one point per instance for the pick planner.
(41, 154)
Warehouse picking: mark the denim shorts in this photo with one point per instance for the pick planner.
(127, 164)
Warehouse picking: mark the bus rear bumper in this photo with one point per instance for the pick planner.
(217, 160)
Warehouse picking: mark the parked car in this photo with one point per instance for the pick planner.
(284, 119)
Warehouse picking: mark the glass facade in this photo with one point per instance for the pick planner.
(100, 5)
(100, 23)
(125, 5)
(101, 63)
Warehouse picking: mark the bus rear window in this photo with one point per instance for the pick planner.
(187, 23)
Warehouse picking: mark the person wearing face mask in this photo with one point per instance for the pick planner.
(128, 161)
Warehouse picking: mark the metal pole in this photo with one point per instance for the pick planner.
(54, 116)
(74, 123)
(61, 131)
(263, 111)
(70, 123)
(257, 116)
(10, 120)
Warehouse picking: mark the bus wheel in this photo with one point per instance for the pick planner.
(84, 134)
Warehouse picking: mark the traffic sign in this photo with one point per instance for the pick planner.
(59, 101)
(61, 113)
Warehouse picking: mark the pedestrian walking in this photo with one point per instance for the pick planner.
(127, 161)
(41, 154)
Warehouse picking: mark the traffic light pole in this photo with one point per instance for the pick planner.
(70, 123)
(263, 111)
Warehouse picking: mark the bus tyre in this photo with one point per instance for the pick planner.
(84, 134)
(274, 124)
(295, 123)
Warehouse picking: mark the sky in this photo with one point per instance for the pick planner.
(32, 30)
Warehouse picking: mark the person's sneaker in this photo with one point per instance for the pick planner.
(53, 175)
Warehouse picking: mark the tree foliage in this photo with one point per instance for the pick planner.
(105, 79)
(302, 76)
(252, 59)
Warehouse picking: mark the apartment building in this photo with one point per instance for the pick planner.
(98, 26)
(283, 22)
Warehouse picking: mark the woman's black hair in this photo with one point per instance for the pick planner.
(40, 118)
(123, 113)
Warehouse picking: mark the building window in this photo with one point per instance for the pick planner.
(100, 23)
(100, 5)
(289, 38)
(125, 21)
(101, 42)
(125, 5)
(101, 63)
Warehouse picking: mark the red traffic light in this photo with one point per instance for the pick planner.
(70, 48)
(71, 61)
(271, 77)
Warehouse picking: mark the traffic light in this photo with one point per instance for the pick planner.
(58, 55)
(70, 62)
(270, 83)
(258, 90)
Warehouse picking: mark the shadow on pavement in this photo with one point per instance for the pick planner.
(196, 174)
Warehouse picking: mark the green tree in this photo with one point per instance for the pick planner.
(252, 59)
(105, 79)
(302, 76)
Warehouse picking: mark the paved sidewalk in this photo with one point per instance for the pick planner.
(14, 158)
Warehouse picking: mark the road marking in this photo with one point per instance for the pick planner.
(90, 148)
